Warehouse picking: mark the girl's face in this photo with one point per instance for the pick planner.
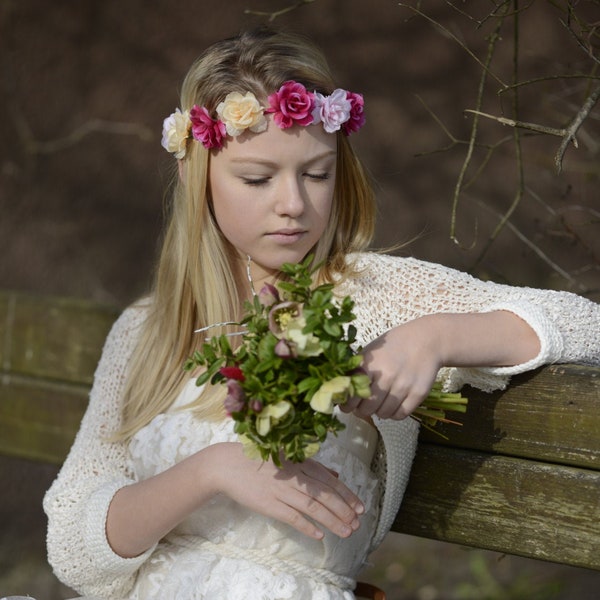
(272, 193)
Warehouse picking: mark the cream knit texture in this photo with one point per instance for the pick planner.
(389, 291)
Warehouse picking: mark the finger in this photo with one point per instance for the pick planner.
(350, 405)
(294, 517)
(370, 406)
(325, 509)
(332, 483)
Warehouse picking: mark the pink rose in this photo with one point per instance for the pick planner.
(357, 117)
(333, 110)
(292, 104)
(207, 131)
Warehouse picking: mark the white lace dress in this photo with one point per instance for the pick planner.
(242, 549)
(225, 550)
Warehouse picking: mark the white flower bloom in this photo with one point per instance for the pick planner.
(176, 130)
(270, 415)
(331, 392)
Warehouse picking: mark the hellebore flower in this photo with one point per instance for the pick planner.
(280, 316)
(271, 415)
(283, 349)
(331, 392)
(234, 401)
(232, 373)
(268, 295)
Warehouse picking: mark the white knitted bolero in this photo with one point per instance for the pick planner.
(388, 291)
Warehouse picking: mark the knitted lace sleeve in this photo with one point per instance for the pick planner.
(77, 502)
(392, 290)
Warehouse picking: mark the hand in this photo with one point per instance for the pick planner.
(403, 364)
(289, 494)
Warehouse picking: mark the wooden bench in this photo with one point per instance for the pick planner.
(521, 476)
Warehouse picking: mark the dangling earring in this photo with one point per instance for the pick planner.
(250, 281)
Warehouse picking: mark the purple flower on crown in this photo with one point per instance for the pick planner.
(357, 116)
(208, 131)
(333, 110)
(291, 104)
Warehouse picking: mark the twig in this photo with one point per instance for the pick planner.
(461, 176)
(536, 249)
(277, 13)
(94, 125)
(576, 123)
(548, 78)
(523, 125)
(453, 37)
(517, 139)
(587, 48)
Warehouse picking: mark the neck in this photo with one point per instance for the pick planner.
(252, 277)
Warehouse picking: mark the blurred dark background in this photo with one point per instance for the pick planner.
(84, 87)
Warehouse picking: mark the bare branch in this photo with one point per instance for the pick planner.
(586, 45)
(523, 125)
(459, 183)
(438, 25)
(517, 140)
(273, 15)
(34, 146)
(576, 123)
(537, 250)
(548, 78)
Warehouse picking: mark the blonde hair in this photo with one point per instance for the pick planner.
(194, 283)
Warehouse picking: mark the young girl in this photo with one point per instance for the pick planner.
(157, 499)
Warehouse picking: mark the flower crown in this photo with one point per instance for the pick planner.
(291, 105)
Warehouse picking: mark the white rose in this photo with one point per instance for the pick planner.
(176, 130)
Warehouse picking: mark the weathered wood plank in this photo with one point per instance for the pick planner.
(52, 338)
(39, 419)
(506, 504)
(551, 414)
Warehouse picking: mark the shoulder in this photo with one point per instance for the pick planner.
(127, 328)
(373, 268)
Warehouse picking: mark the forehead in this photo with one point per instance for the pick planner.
(296, 144)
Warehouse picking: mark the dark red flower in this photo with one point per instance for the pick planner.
(232, 373)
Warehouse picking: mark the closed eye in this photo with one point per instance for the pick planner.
(317, 176)
(256, 181)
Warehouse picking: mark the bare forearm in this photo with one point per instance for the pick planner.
(493, 339)
(404, 362)
(142, 513)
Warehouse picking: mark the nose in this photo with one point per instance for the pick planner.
(290, 198)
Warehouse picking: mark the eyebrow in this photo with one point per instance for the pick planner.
(269, 163)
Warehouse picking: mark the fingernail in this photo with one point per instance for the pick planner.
(355, 524)
(345, 531)
(360, 508)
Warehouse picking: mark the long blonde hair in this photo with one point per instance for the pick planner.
(194, 282)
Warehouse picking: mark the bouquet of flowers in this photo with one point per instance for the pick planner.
(294, 363)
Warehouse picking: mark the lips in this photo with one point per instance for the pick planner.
(287, 236)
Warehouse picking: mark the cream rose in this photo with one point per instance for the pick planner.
(241, 112)
(176, 130)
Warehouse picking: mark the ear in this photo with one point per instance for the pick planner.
(181, 169)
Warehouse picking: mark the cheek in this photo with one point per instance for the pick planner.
(324, 206)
